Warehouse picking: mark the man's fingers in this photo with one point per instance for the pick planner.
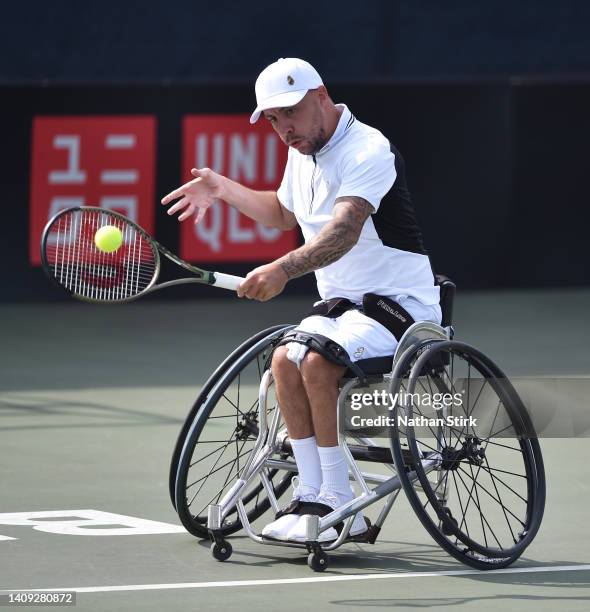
(196, 172)
(253, 292)
(187, 213)
(246, 286)
(181, 191)
(241, 290)
(261, 294)
(173, 195)
(178, 206)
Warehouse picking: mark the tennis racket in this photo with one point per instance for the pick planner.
(73, 261)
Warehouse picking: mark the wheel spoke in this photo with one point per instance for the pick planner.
(506, 472)
(232, 403)
(205, 457)
(519, 450)
(479, 505)
(212, 471)
(503, 508)
(204, 478)
(496, 433)
(217, 496)
(460, 504)
(213, 442)
(482, 517)
(494, 478)
(498, 501)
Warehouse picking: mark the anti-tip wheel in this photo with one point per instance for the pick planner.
(317, 561)
(221, 551)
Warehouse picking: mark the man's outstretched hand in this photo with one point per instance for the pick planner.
(196, 196)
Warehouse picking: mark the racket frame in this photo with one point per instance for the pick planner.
(202, 277)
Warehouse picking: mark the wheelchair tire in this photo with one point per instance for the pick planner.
(211, 382)
(487, 538)
(225, 403)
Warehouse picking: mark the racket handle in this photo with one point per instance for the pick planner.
(227, 281)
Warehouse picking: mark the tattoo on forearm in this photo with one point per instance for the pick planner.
(333, 241)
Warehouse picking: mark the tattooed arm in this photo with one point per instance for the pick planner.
(334, 240)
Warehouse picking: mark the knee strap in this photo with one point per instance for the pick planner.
(301, 508)
(327, 348)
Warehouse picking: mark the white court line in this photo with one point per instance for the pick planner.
(241, 583)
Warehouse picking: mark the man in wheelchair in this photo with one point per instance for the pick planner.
(344, 185)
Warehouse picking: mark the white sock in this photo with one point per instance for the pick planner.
(335, 471)
(308, 463)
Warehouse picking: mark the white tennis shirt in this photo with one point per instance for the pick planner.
(358, 161)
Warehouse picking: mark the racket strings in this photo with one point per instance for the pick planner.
(79, 266)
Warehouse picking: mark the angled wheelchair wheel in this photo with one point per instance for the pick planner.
(218, 437)
(473, 470)
(204, 394)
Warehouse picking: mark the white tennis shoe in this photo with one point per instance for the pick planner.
(333, 501)
(279, 529)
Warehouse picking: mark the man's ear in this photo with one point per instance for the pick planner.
(322, 94)
(322, 89)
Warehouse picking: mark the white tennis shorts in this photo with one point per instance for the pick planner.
(361, 336)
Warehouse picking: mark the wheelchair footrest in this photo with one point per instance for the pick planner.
(366, 537)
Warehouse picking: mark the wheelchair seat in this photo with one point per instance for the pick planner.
(375, 366)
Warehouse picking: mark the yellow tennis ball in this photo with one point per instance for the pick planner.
(108, 238)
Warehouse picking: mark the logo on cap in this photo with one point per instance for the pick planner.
(290, 80)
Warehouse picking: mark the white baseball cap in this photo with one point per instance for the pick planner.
(284, 83)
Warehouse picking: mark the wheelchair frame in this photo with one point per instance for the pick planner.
(271, 441)
(409, 467)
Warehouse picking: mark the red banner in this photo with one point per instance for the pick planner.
(105, 161)
(251, 155)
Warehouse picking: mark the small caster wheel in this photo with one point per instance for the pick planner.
(317, 561)
(221, 551)
(444, 527)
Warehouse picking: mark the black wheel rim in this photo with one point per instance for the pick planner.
(486, 498)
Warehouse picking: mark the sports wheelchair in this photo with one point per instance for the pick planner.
(479, 492)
